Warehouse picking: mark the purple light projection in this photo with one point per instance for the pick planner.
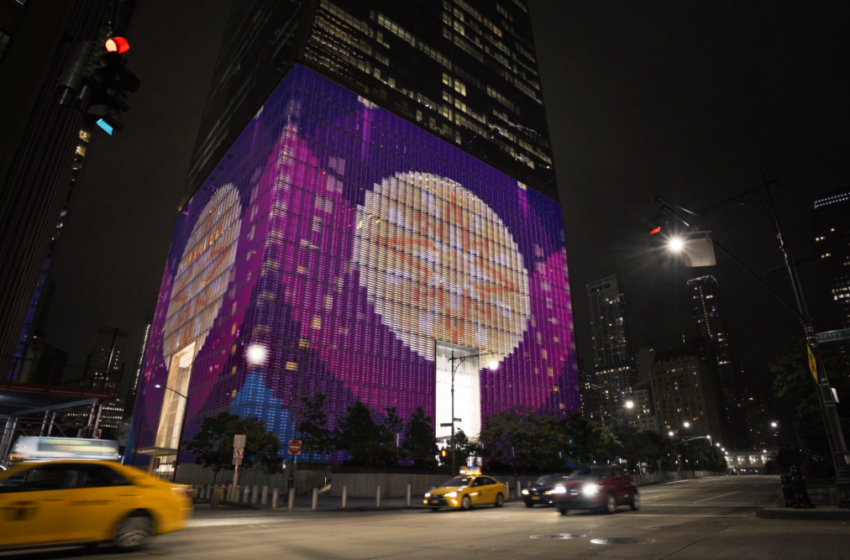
(346, 240)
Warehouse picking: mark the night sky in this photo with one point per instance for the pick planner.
(687, 100)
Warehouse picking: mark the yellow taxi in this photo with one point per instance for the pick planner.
(469, 489)
(67, 502)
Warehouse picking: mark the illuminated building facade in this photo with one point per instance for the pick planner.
(358, 251)
(832, 238)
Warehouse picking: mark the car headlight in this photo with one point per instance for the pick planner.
(427, 494)
(525, 492)
(452, 494)
(557, 490)
(590, 489)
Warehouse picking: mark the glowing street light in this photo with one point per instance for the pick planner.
(630, 404)
(676, 244)
(670, 433)
(774, 424)
(687, 424)
(493, 365)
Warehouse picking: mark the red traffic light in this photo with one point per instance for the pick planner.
(654, 231)
(117, 45)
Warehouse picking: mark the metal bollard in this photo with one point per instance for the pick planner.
(245, 497)
(254, 495)
(408, 495)
(344, 496)
(274, 499)
(216, 497)
(291, 498)
(315, 498)
(265, 499)
(378, 498)
(518, 489)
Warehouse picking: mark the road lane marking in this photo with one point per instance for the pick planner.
(718, 496)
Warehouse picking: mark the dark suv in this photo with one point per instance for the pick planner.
(597, 488)
(542, 490)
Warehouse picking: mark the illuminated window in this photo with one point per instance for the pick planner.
(292, 366)
(85, 135)
(317, 322)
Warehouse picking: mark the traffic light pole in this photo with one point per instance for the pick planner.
(455, 363)
(835, 435)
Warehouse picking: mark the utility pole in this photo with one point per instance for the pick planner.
(762, 198)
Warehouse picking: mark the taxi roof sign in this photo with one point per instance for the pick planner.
(470, 470)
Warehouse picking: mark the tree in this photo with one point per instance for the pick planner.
(213, 444)
(358, 435)
(521, 439)
(419, 444)
(314, 427)
(795, 383)
(588, 440)
(387, 452)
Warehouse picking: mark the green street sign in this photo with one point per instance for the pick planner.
(832, 336)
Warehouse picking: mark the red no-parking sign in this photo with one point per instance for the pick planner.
(295, 447)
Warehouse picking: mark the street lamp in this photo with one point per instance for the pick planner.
(761, 197)
(670, 433)
(676, 244)
(182, 423)
(630, 404)
(455, 363)
(774, 424)
(687, 424)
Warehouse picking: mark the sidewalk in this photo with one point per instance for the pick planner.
(821, 513)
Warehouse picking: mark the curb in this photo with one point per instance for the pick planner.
(803, 514)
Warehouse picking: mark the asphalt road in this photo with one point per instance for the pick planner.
(710, 518)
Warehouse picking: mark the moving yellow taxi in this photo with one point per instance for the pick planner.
(469, 489)
(66, 502)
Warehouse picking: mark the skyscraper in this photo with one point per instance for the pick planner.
(831, 227)
(608, 323)
(371, 211)
(707, 309)
(463, 70)
(614, 371)
(41, 150)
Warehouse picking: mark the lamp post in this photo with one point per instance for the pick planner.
(761, 197)
(455, 363)
(182, 423)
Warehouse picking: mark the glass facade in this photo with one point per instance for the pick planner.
(352, 244)
(465, 70)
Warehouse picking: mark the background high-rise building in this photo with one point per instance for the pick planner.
(831, 227)
(684, 390)
(707, 309)
(608, 327)
(614, 371)
(350, 236)
(40, 150)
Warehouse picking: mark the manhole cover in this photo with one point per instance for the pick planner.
(562, 536)
(622, 541)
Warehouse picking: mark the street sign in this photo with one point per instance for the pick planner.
(97, 433)
(447, 425)
(238, 442)
(832, 336)
(295, 447)
(813, 364)
(238, 453)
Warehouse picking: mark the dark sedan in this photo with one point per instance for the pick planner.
(541, 490)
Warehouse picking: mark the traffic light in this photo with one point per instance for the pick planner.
(443, 453)
(111, 80)
(659, 237)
